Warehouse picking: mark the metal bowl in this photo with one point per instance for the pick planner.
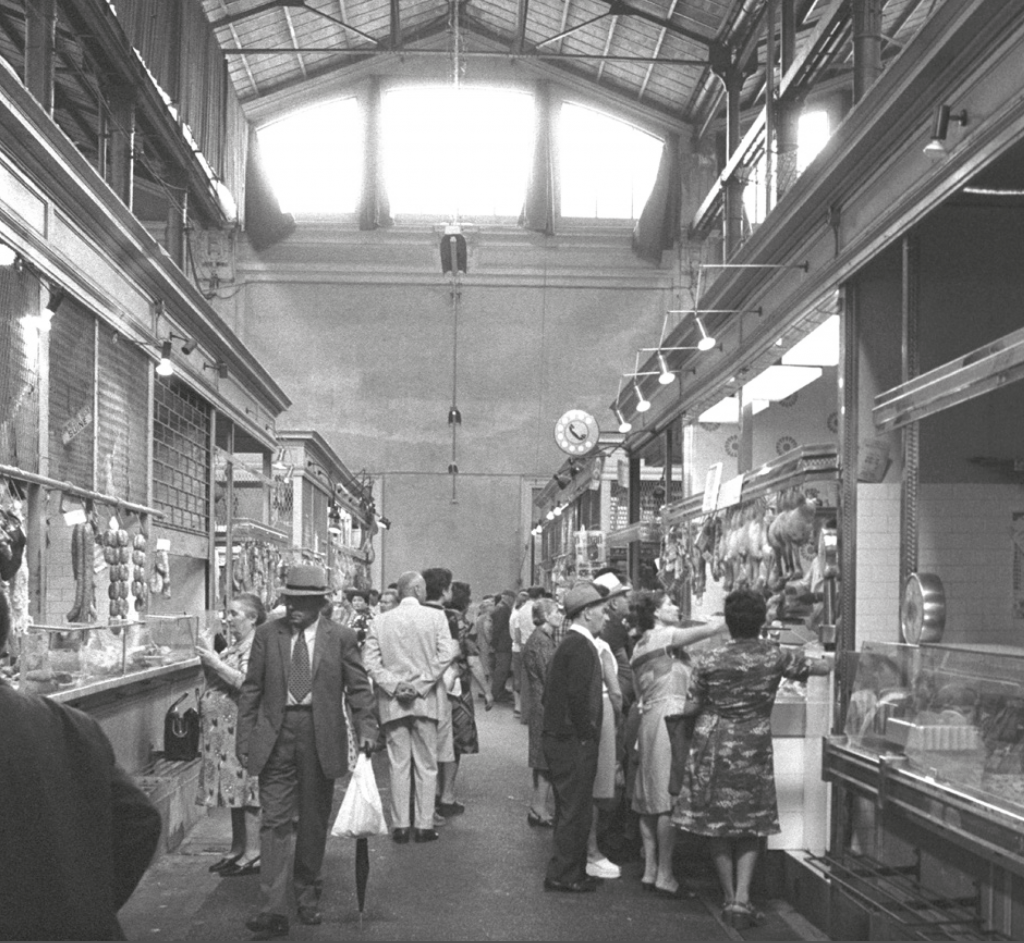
(923, 611)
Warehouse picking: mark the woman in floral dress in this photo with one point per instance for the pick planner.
(224, 782)
(728, 789)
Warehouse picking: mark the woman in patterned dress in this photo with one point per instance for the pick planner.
(728, 790)
(224, 782)
(661, 676)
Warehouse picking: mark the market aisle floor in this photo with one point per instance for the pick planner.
(481, 881)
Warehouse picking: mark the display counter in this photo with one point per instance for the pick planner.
(929, 767)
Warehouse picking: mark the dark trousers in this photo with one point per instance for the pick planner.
(293, 786)
(572, 765)
(502, 669)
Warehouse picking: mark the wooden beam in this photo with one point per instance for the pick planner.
(521, 14)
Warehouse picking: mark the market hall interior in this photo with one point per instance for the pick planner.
(802, 310)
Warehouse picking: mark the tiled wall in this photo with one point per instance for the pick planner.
(965, 536)
(878, 563)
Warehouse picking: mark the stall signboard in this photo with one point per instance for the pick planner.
(729, 493)
(711, 485)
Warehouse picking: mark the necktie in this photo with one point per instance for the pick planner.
(300, 678)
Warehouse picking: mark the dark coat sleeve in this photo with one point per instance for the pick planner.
(136, 835)
(252, 691)
(357, 688)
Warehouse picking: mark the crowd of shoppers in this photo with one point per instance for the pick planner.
(692, 752)
(631, 737)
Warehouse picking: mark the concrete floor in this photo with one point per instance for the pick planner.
(481, 881)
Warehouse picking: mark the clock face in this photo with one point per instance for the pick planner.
(576, 432)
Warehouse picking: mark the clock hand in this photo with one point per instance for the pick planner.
(579, 436)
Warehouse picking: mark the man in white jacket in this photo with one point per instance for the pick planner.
(406, 653)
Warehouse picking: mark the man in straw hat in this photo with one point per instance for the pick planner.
(571, 731)
(292, 734)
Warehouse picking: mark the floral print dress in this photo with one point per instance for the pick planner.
(224, 781)
(728, 788)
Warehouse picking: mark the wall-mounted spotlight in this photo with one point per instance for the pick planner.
(624, 424)
(189, 345)
(165, 367)
(943, 115)
(383, 523)
(453, 468)
(220, 366)
(454, 416)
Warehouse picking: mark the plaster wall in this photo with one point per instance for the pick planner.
(361, 334)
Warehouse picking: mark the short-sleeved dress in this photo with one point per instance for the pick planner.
(728, 787)
(224, 781)
(661, 679)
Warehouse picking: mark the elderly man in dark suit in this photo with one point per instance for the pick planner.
(76, 834)
(292, 734)
(571, 731)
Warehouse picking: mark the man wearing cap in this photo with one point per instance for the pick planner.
(571, 731)
(292, 734)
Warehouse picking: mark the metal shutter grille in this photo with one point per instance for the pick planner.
(123, 418)
(181, 456)
(19, 391)
(72, 366)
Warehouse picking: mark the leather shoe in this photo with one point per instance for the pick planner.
(310, 916)
(450, 808)
(424, 834)
(401, 836)
(268, 925)
(570, 887)
(225, 863)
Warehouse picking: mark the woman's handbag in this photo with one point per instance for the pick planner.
(361, 814)
(181, 732)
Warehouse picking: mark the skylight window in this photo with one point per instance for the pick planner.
(464, 151)
(314, 159)
(607, 167)
(811, 136)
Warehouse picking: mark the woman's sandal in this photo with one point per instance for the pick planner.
(742, 916)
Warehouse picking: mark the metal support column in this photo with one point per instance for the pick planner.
(867, 45)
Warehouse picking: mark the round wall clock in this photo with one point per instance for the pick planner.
(576, 432)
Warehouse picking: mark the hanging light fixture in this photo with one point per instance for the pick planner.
(642, 405)
(706, 342)
(624, 424)
(165, 367)
(666, 376)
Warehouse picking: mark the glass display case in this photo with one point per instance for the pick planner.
(57, 658)
(953, 714)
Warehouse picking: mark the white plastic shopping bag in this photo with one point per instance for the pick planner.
(361, 814)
